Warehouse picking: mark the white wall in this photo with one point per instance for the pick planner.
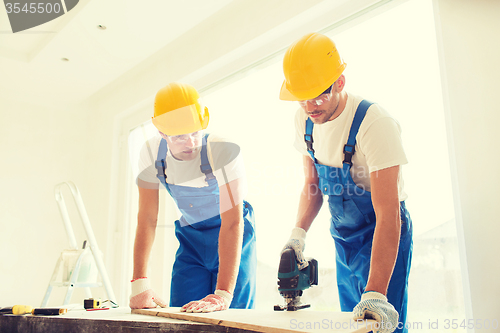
(469, 54)
(40, 147)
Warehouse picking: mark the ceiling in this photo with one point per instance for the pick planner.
(45, 60)
(96, 45)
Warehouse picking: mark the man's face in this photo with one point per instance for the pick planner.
(184, 147)
(322, 108)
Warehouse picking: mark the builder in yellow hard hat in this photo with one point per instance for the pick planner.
(215, 263)
(352, 153)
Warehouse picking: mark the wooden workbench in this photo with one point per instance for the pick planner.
(121, 320)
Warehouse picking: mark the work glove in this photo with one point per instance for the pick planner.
(143, 297)
(218, 301)
(297, 244)
(374, 305)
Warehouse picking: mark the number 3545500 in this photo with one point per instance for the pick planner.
(470, 324)
(32, 8)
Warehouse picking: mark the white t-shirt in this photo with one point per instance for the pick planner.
(378, 142)
(224, 157)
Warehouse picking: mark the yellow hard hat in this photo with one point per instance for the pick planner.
(178, 110)
(311, 64)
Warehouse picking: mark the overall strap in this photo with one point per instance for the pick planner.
(309, 139)
(160, 163)
(205, 164)
(351, 141)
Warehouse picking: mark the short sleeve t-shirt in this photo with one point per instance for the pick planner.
(378, 142)
(224, 157)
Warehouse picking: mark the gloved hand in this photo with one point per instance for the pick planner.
(374, 305)
(297, 243)
(143, 297)
(218, 301)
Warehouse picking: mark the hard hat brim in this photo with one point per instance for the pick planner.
(286, 95)
(183, 120)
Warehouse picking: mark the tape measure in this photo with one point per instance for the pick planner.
(91, 303)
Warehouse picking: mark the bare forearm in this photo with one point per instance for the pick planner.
(230, 243)
(311, 197)
(310, 203)
(144, 238)
(146, 229)
(384, 255)
(387, 230)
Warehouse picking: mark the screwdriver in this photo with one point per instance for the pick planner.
(26, 309)
(17, 310)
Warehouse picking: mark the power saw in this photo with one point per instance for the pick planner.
(292, 281)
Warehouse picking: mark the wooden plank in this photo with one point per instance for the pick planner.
(270, 321)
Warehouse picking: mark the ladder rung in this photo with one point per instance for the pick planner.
(76, 285)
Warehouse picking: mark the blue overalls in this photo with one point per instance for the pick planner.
(194, 274)
(352, 227)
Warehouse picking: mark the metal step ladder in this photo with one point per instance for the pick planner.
(76, 268)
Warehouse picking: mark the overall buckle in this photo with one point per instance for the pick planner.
(161, 167)
(348, 153)
(207, 170)
(309, 142)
